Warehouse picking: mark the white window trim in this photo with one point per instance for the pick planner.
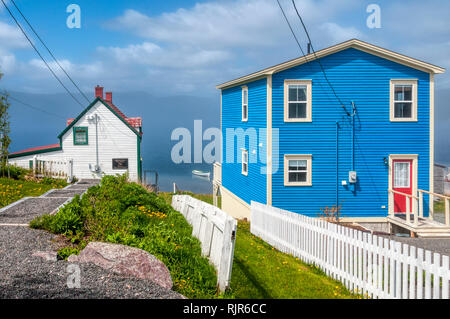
(394, 82)
(244, 89)
(308, 158)
(308, 84)
(244, 151)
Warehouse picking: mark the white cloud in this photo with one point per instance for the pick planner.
(11, 37)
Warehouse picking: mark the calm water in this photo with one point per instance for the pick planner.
(184, 179)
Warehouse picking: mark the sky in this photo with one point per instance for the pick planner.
(188, 47)
(179, 48)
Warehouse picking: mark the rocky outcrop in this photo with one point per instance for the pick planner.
(125, 260)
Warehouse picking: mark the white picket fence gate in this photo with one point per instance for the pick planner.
(216, 231)
(365, 263)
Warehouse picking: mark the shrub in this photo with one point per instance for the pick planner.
(15, 172)
(126, 213)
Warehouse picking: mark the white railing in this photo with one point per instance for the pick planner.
(364, 263)
(61, 168)
(216, 231)
(417, 205)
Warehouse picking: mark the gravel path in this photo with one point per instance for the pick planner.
(23, 275)
(30, 208)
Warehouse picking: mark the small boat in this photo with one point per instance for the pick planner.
(201, 173)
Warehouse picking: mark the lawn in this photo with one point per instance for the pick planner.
(12, 190)
(261, 271)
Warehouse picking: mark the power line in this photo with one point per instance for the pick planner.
(296, 40)
(8, 96)
(48, 50)
(318, 60)
(293, 33)
(37, 51)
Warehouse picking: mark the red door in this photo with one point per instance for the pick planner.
(402, 182)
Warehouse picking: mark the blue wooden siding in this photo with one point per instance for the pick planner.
(364, 79)
(253, 186)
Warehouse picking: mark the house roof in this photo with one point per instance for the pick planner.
(114, 109)
(36, 150)
(354, 43)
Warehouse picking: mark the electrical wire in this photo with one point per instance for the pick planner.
(48, 50)
(37, 51)
(318, 60)
(8, 96)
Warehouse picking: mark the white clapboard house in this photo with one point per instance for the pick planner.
(101, 140)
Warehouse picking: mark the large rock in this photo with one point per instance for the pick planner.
(125, 260)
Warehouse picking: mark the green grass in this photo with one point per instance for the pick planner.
(12, 190)
(167, 196)
(118, 211)
(261, 271)
(439, 206)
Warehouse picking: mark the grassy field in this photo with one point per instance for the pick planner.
(12, 190)
(261, 271)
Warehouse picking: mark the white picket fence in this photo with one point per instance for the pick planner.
(216, 231)
(365, 263)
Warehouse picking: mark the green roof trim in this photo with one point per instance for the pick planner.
(59, 148)
(88, 108)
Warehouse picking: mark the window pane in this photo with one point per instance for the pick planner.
(398, 93)
(301, 93)
(245, 97)
(297, 165)
(297, 93)
(297, 110)
(407, 93)
(297, 176)
(403, 110)
(401, 175)
(244, 111)
(403, 93)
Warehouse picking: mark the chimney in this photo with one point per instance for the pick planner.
(99, 91)
(108, 97)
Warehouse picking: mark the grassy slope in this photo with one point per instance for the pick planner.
(260, 271)
(12, 190)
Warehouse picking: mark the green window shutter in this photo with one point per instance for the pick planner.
(30, 164)
(80, 135)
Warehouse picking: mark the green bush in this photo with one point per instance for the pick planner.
(121, 212)
(15, 172)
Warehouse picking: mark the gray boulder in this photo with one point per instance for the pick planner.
(125, 260)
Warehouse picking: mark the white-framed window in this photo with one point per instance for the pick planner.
(298, 170)
(244, 103)
(297, 100)
(403, 100)
(244, 162)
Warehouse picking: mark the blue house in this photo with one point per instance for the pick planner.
(349, 126)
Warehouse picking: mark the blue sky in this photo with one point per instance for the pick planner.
(187, 47)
